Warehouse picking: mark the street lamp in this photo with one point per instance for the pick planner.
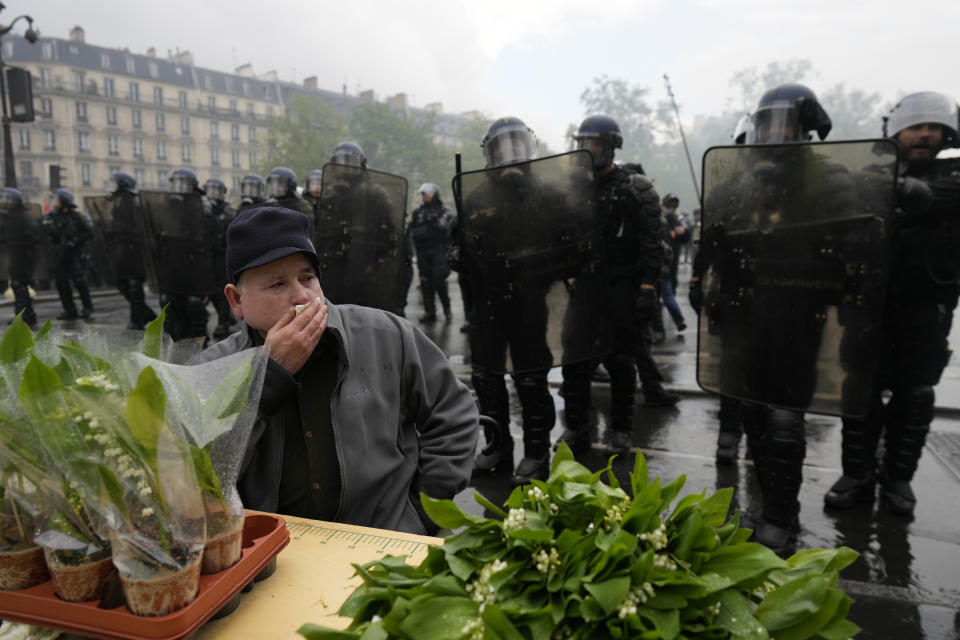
(31, 36)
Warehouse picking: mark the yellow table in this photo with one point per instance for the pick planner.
(313, 578)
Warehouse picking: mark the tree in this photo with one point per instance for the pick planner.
(304, 137)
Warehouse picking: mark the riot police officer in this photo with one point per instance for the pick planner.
(515, 323)
(350, 154)
(69, 231)
(282, 191)
(313, 187)
(430, 225)
(923, 292)
(19, 239)
(629, 210)
(123, 230)
(251, 192)
(222, 213)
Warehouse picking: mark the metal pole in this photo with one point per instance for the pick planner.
(693, 174)
(9, 172)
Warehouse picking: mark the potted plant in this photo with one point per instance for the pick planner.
(577, 557)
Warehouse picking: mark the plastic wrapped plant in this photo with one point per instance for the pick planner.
(577, 557)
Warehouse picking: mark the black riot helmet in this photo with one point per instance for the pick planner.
(216, 189)
(671, 201)
(313, 185)
(184, 180)
(788, 113)
(11, 198)
(508, 141)
(252, 186)
(123, 182)
(600, 135)
(350, 154)
(924, 107)
(281, 183)
(65, 197)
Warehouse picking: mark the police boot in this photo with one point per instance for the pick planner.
(728, 440)
(785, 448)
(623, 390)
(654, 395)
(23, 303)
(576, 407)
(539, 416)
(911, 411)
(429, 305)
(492, 397)
(66, 301)
(857, 485)
(444, 295)
(620, 441)
(83, 291)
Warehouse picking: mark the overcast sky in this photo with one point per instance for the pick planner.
(533, 58)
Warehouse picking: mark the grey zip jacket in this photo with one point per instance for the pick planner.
(402, 422)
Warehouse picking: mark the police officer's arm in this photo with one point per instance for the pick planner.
(647, 227)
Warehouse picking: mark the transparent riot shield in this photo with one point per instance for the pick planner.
(795, 259)
(531, 246)
(358, 233)
(119, 223)
(21, 243)
(180, 243)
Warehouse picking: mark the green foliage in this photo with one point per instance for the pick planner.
(304, 137)
(577, 557)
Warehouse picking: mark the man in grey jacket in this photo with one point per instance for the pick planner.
(360, 412)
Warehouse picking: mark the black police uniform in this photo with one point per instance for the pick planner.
(430, 230)
(69, 231)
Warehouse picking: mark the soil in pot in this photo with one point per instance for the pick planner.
(22, 566)
(224, 542)
(83, 580)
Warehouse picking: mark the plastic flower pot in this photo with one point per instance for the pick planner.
(225, 544)
(82, 581)
(163, 593)
(22, 568)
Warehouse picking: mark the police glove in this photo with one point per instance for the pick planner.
(913, 195)
(696, 295)
(646, 304)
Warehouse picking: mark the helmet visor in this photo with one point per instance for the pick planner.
(347, 157)
(315, 185)
(276, 186)
(181, 184)
(776, 125)
(251, 189)
(509, 147)
(215, 190)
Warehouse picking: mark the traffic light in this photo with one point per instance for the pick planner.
(58, 175)
(20, 90)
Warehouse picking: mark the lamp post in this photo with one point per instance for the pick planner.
(31, 36)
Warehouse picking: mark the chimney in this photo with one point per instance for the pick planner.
(344, 89)
(151, 52)
(398, 101)
(310, 83)
(245, 70)
(269, 76)
(183, 57)
(76, 34)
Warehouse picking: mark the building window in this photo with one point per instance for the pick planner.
(251, 110)
(215, 156)
(269, 111)
(112, 116)
(46, 107)
(161, 122)
(161, 177)
(46, 50)
(104, 59)
(78, 81)
(208, 81)
(236, 184)
(252, 134)
(235, 132)
(184, 125)
(24, 139)
(137, 118)
(235, 158)
(138, 148)
(83, 141)
(139, 175)
(26, 169)
(185, 152)
(161, 150)
(246, 88)
(131, 65)
(182, 98)
(158, 95)
(233, 107)
(108, 89)
(112, 170)
(229, 84)
(212, 103)
(135, 92)
(214, 129)
(252, 158)
(82, 111)
(154, 69)
(85, 173)
(49, 140)
(113, 145)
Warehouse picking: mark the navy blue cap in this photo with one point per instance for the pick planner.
(261, 235)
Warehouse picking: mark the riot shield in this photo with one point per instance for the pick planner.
(179, 242)
(119, 223)
(795, 259)
(358, 234)
(21, 243)
(531, 246)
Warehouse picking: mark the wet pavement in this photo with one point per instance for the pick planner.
(906, 583)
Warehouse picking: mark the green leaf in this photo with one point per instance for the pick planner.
(153, 336)
(17, 341)
(609, 593)
(315, 632)
(206, 476)
(736, 616)
(230, 396)
(436, 617)
(489, 506)
(742, 562)
(146, 406)
(498, 625)
(45, 331)
(114, 489)
(640, 476)
(443, 512)
(39, 380)
(792, 603)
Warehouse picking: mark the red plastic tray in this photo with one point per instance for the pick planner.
(264, 535)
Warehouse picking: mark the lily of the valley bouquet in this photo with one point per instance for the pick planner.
(577, 557)
(133, 436)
